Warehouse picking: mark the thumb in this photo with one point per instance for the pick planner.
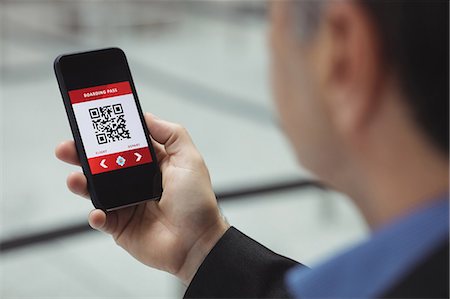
(174, 137)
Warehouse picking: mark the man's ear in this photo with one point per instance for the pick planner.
(350, 65)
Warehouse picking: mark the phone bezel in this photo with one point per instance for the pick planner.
(91, 76)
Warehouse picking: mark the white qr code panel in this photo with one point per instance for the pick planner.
(109, 125)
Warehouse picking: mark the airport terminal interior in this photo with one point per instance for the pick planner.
(203, 64)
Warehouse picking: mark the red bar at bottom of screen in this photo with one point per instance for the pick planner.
(120, 160)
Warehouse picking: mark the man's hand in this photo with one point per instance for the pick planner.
(176, 233)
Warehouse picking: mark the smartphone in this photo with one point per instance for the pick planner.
(107, 123)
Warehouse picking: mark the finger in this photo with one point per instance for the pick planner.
(67, 152)
(101, 221)
(97, 219)
(77, 183)
(159, 150)
(174, 137)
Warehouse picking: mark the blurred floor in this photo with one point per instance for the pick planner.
(201, 64)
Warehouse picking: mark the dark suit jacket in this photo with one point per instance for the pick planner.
(239, 267)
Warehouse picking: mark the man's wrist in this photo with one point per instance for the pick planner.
(201, 249)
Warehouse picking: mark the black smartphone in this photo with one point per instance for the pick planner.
(108, 127)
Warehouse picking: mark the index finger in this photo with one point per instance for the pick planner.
(67, 152)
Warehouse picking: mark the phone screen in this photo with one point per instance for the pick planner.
(110, 127)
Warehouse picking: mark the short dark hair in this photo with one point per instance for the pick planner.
(415, 42)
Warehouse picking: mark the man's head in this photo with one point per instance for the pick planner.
(354, 80)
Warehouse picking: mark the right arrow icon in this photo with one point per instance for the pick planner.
(138, 157)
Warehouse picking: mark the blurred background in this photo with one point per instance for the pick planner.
(203, 64)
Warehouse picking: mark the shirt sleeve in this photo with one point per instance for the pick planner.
(240, 267)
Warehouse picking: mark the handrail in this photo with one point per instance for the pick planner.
(71, 230)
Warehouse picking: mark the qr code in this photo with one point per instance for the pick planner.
(109, 123)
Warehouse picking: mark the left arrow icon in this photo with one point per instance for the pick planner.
(102, 164)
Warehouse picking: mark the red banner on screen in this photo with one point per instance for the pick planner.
(120, 160)
(99, 92)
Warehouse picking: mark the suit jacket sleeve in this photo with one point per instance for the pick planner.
(239, 267)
